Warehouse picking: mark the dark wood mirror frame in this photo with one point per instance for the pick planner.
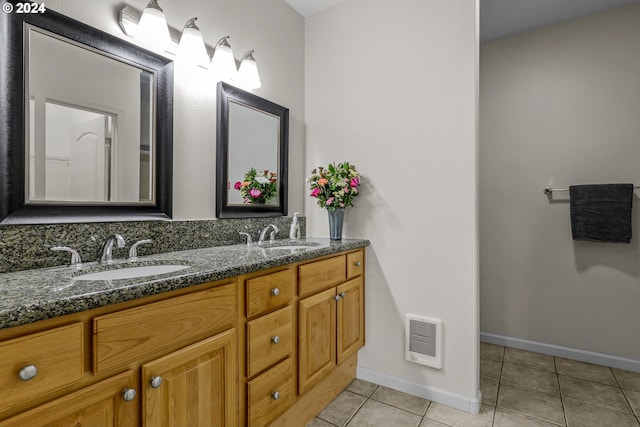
(13, 209)
(227, 92)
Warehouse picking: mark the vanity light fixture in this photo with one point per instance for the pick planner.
(192, 46)
(152, 29)
(248, 75)
(223, 64)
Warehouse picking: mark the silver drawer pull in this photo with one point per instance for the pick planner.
(343, 295)
(129, 394)
(275, 292)
(337, 297)
(275, 339)
(275, 395)
(156, 381)
(357, 263)
(28, 372)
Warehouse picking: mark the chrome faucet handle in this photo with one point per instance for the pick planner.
(249, 239)
(264, 231)
(133, 251)
(107, 250)
(75, 256)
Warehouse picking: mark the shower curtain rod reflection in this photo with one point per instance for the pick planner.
(549, 191)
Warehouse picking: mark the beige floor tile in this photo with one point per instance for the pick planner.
(317, 422)
(536, 404)
(628, 380)
(593, 393)
(426, 422)
(535, 360)
(504, 418)
(491, 351)
(580, 414)
(529, 377)
(457, 418)
(342, 408)
(407, 402)
(490, 368)
(585, 371)
(361, 387)
(634, 400)
(375, 413)
(489, 389)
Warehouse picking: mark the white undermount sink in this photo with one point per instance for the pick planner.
(132, 272)
(292, 247)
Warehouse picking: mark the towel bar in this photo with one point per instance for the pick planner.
(549, 191)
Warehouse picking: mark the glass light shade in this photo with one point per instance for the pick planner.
(248, 75)
(191, 47)
(223, 64)
(152, 29)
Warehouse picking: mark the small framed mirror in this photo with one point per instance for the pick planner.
(88, 124)
(252, 155)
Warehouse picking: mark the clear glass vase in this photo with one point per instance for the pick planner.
(336, 218)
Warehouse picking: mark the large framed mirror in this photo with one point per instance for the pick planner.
(252, 155)
(86, 124)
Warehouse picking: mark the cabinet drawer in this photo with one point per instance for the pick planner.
(269, 339)
(355, 264)
(135, 334)
(267, 292)
(320, 275)
(270, 394)
(57, 355)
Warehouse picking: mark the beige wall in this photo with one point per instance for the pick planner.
(559, 106)
(391, 87)
(274, 30)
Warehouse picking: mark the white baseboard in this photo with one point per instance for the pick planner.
(566, 352)
(434, 394)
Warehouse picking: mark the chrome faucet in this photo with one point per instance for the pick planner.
(75, 256)
(133, 251)
(264, 232)
(107, 250)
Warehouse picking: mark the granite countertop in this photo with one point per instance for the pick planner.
(33, 295)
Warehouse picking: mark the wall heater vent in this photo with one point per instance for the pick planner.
(424, 340)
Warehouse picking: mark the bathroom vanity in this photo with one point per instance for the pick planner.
(245, 336)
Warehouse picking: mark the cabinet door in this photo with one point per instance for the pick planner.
(99, 405)
(197, 385)
(317, 338)
(350, 318)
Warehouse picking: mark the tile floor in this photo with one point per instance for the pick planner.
(519, 389)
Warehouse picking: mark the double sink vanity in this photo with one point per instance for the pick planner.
(238, 335)
(228, 335)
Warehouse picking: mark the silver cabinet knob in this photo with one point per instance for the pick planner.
(357, 263)
(129, 394)
(337, 297)
(275, 395)
(343, 295)
(28, 372)
(275, 339)
(156, 381)
(275, 292)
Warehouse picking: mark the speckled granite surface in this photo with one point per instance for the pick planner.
(25, 247)
(32, 295)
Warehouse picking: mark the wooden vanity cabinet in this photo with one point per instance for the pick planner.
(99, 405)
(269, 348)
(194, 386)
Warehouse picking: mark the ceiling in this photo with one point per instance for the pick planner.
(500, 18)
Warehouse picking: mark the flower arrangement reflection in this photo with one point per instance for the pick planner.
(258, 188)
(335, 186)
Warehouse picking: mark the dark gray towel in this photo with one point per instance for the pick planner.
(601, 213)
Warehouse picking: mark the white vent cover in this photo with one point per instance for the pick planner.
(424, 340)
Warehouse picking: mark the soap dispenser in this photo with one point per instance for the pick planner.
(294, 232)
